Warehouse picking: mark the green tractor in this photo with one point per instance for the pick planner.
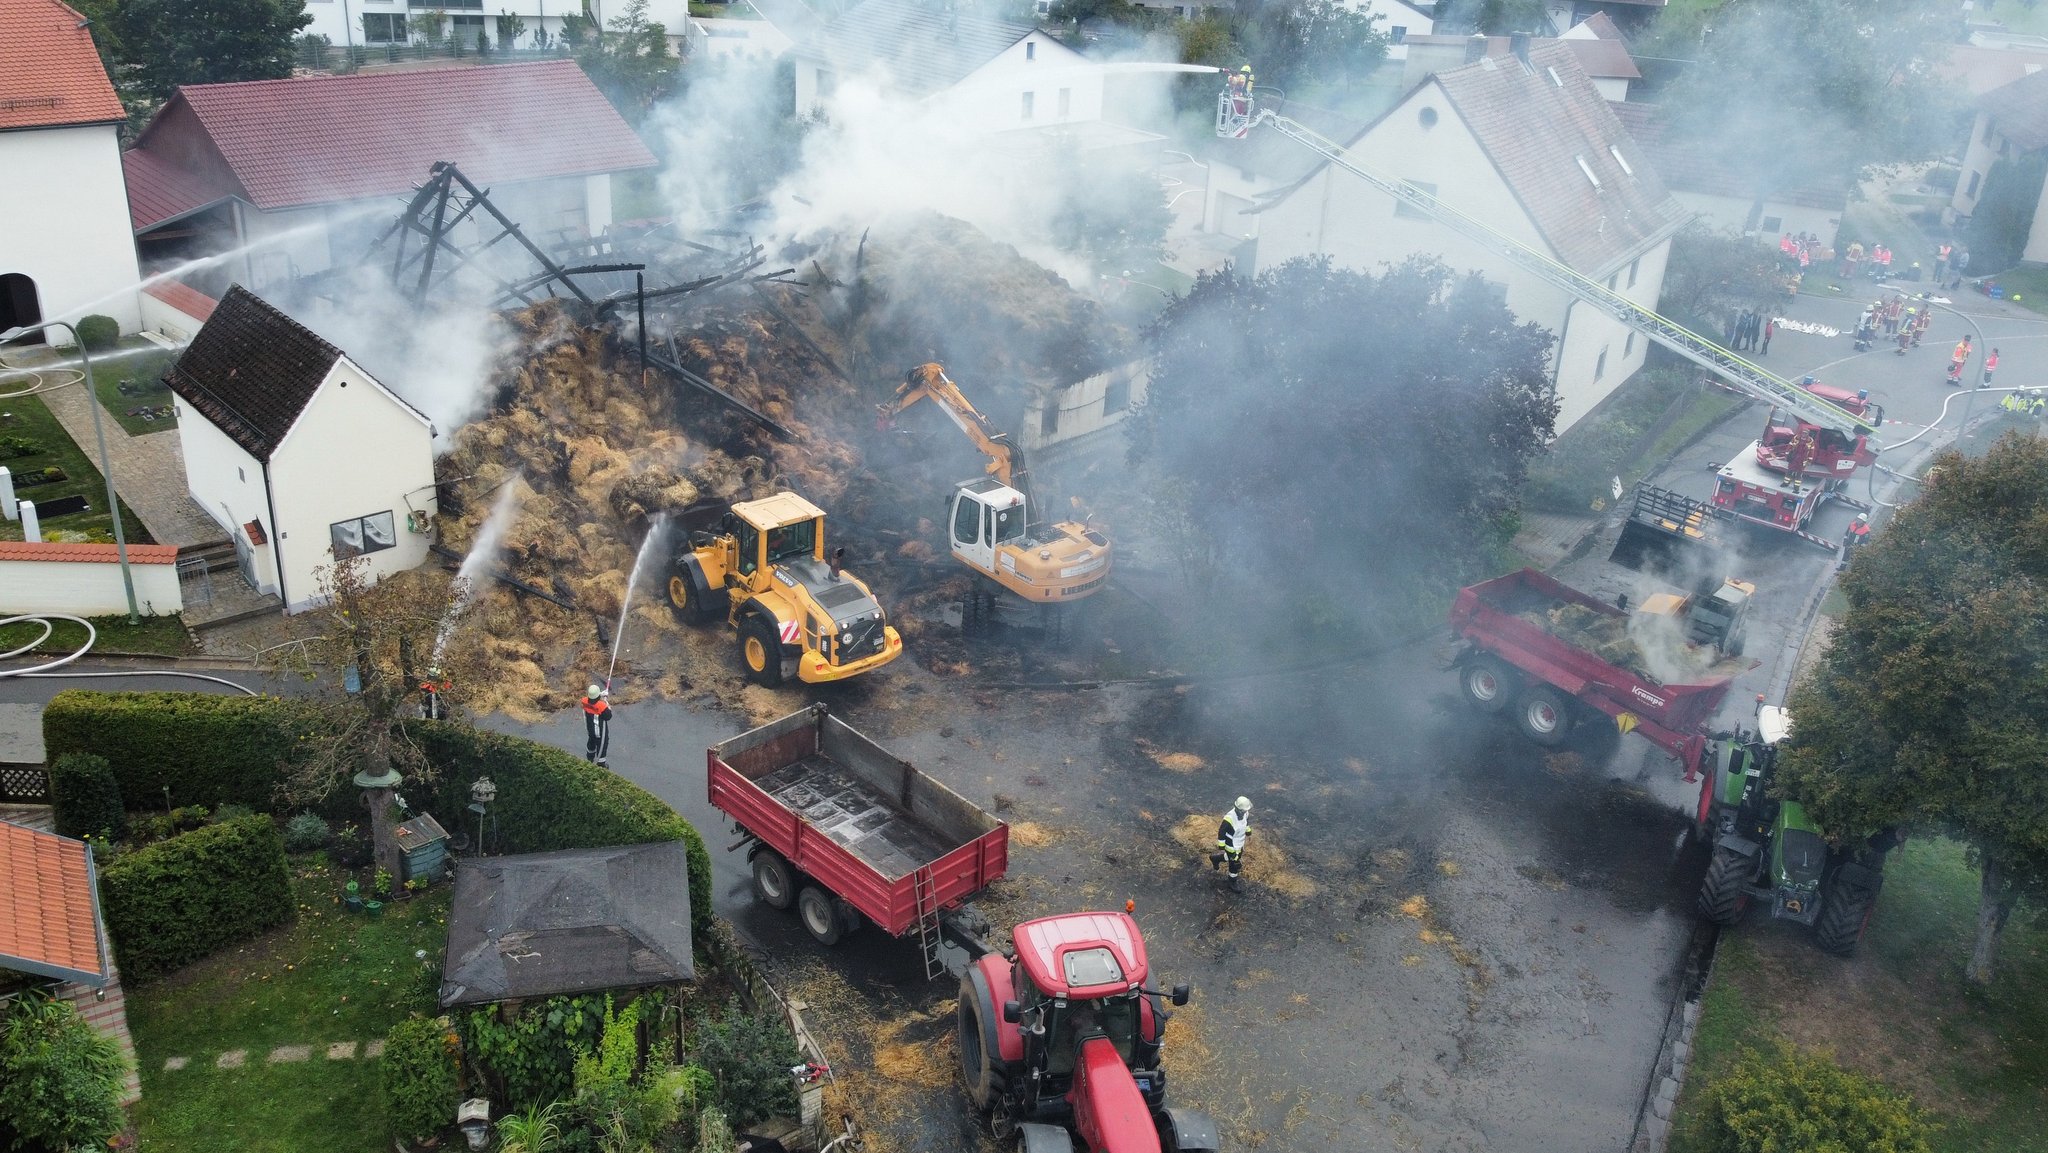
(1769, 850)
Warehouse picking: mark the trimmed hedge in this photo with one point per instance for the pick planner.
(85, 797)
(419, 1074)
(182, 899)
(1782, 1098)
(208, 750)
(549, 799)
(99, 333)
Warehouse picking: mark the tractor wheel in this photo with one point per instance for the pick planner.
(1845, 909)
(976, 1023)
(820, 915)
(1722, 897)
(761, 651)
(683, 599)
(1488, 684)
(1735, 644)
(774, 880)
(1044, 1139)
(1544, 715)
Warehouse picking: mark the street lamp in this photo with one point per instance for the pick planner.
(481, 794)
(106, 463)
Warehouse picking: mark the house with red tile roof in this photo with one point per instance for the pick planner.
(298, 175)
(1525, 144)
(52, 936)
(65, 249)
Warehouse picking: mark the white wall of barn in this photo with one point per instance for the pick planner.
(354, 452)
(64, 204)
(1062, 87)
(228, 483)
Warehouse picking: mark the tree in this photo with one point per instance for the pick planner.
(2005, 213)
(1297, 42)
(1363, 437)
(629, 63)
(1113, 212)
(1811, 94)
(174, 42)
(61, 1079)
(1492, 17)
(1931, 706)
(1714, 269)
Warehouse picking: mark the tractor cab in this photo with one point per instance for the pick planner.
(1791, 445)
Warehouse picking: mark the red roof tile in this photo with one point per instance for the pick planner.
(159, 191)
(333, 139)
(86, 553)
(50, 73)
(49, 911)
(183, 297)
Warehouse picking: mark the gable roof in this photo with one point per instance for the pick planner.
(925, 48)
(50, 907)
(333, 139)
(50, 73)
(1601, 58)
(1538, 133)
(251, 371)
(570, 921)
(1690, 169)
(1979, 69)
(1601, 25)
(2021, 110)
(1271, 156)
(160, 192)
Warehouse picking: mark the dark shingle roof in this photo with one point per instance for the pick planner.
(1689, 169)
(251, 371)
(2021, 110)
(1538, 132)
(571, 921)
(924, 47)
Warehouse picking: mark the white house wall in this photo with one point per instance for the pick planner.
(993, 95)
(1583, 380)
(227, 482)
(1978, 157)
(341, 21)
(88, 588)
(719, 38)
(353, 452)
(1393, 16)
(1732, 212)
(1082, 407)
(64, 202)
(2037, 238)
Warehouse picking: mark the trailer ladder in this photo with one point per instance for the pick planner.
(924, 891)
(1750, 379)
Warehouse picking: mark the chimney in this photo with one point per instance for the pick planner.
(1475, 48)
(1518, 43)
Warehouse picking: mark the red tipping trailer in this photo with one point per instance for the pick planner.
(845, 830)
(1552, 683)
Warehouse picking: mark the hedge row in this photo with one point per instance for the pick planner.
(549, 799)
(182, 899)
(85, 797)
(207, 750)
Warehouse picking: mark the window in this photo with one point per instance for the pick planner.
(1030, 50)
(1600, 365)
(1027, 104)
(1009, 525)
(1588, 170)
(1049, 420)
(1634, 266)
(1426, 117)
(466, 28)
(1066, 103)
(383, 28)
(1399, 32)
(1974, 178)
(967, 521)
(367, 534)
(240, 475)
(1116, 394)
(750, 548)
(1401, 207)
(1771, 224)
(1987, 132)
(1628, 347)
(1044, 8)
(1620, 159)
(792, 541)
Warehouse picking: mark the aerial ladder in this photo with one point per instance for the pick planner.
(1778, 482)
(995, 524)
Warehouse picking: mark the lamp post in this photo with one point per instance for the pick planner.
(106, 463)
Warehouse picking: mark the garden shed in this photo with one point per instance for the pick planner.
(569, 921)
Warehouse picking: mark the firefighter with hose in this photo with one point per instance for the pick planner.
(597, 725)
(1231, 835)
(433, 689)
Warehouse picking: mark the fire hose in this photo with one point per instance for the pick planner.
(48, 621)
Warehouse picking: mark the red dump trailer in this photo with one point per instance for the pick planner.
(849, 833)
(1510, 661)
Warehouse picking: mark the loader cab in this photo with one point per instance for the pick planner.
(771, 531)
(986, 515)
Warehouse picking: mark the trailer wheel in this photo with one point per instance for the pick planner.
(1488, 684)
(761, 651)
(819, 915)
(1723, 898)
(1544, 716)
(974, 1019)
(774, 880)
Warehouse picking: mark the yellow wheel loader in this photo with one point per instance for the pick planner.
(798, 612)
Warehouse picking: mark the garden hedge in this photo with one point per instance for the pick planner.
(420, 1077)
(85, 797)
(207, 750)
(1782, 1098)
(549, 799)
(184, 898)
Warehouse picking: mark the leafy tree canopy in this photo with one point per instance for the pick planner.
(167, 43)
(1931, 706)
(1713, 270)
(1493, 17)
(1351, 435)
(630, 63)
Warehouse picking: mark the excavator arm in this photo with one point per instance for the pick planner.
(930, 382)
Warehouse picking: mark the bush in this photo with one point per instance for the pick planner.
(62, 1080)
(99, 333)
(230, 812)
(209, 750)
(749, 1057)
(1783, 1098)
(14, 446)
(305, 832)
(419, 1074)
(532, 1057)
(86, 797)
(181, 899)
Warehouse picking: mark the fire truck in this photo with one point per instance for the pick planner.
(1815, 439)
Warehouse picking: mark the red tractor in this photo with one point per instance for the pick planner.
(1059, 1039)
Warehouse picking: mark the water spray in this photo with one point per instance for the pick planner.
(655, 532)
(482, 552)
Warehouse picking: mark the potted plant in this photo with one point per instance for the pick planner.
(383, 884)
(352, 898)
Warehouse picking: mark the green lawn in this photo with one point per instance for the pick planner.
(328, 978)
(2026, 285)
(28, 418)
(157, 636)
(142, 372)
(1900, 1011)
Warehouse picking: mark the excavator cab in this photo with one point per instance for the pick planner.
(986, 514)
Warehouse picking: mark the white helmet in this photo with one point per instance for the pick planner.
(1244, 804)
(595, 691)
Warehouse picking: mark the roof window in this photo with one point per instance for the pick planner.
(1554, 77)
(1619, 159)
(1588, 170)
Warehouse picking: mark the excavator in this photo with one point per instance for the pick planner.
(1815, 438)
(995, 525)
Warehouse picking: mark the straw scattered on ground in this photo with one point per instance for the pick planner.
(1171, 761)
(1266, 862)
(1032, 835)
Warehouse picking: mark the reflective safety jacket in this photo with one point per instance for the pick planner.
(1231, 834)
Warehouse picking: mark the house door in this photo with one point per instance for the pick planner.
(245, 554)
(19, 305)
